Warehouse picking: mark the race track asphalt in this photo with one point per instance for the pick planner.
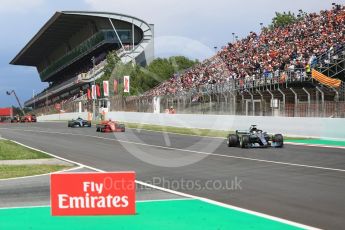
(298, 183)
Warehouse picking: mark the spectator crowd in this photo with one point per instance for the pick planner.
(295, 47)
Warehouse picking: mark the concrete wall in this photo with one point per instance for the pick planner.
(292, 126)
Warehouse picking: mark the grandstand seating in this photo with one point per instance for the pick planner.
(314, 41)
(297, 67)
(81, 50)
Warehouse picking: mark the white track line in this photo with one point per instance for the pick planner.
(163, 200)
(45, 174)
(288, 222)
(193, 151)
(38, 206)
(137, 201)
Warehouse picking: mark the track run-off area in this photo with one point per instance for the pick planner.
(214, 187)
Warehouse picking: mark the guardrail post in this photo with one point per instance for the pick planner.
(336, 99)
(252, 101)
(225, 103)
(284, 99)
(272, 99)
(233, 94)
(296, 102)
(322, 101)
(262, 101)
(306, 91)
(242, 103)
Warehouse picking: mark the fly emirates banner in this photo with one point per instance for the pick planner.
(92, 193)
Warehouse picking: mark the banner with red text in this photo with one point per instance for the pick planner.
(126, 84)
(79, 194)
(106, 88)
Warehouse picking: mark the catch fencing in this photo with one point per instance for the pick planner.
(289, 94)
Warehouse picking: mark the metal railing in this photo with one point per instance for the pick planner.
(226, 103)
(332, 63)
(269, 94)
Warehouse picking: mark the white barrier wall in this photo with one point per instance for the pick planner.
(62, 116)
(292, 126)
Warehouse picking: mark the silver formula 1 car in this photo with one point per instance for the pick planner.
(253, 138)
(79, 122)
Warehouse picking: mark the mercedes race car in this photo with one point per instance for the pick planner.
(79, 122)
(110, 126)
(15, 119)
(254, 137)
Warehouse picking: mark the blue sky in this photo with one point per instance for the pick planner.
(191, 28)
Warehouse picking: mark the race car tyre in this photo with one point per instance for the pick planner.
(279, 140)
(244, 141)
(232, 140)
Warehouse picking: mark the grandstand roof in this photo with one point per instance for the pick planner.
(60, 27)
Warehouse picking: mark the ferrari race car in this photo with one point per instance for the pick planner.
(28, 118)
(79, 122)
(110, 126)
(254, 137)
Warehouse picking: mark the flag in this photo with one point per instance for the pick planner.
(115, 87)
(88, 94)
(94, 94)
(325, 80)
(126, 84)
(98, 90)
(106, 88)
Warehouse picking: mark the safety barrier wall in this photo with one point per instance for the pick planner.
(292, 126)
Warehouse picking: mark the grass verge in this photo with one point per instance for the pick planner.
(12, 151)
(188, 131)
(180, 130)
(192, 131)
(11, 171)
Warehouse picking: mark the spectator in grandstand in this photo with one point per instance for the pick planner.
(294, 48)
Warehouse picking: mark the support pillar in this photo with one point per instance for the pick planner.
(296, 102)
(272, 99)
(284, 99)
(309, 103)
(322, 101)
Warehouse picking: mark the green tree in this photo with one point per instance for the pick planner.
(283, 19)
(181, 63)
(142, 78)
(112, 61)
(161, 70)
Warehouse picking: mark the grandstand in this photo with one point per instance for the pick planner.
(69, 51)
(295, 70)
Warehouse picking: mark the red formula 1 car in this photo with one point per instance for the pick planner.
(28, 118)
(110, 126)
